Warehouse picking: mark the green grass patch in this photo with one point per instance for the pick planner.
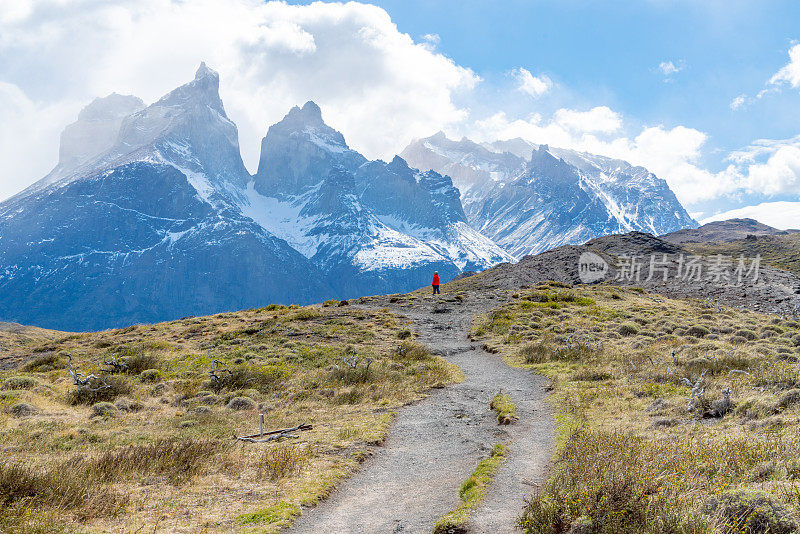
(505, 408)
(278, 515)
(472, 492)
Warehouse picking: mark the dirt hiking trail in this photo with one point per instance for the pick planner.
(434, 445)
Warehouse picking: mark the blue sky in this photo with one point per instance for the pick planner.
(703, 93)
(608, 53)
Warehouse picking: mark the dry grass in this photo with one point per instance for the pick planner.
(163, 449)
(639, 453)
(282, 460)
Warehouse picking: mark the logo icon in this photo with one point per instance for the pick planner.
(591, 268)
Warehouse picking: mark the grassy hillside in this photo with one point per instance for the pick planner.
(154, 451)
(673, 416)
(782, 252)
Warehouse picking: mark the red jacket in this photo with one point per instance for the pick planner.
(435, 280)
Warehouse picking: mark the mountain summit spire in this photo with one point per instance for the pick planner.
(203, 71)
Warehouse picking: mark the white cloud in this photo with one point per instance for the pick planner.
(535, 86)
(668, 68)
(781, 215)
(29, 133)
(374, 83)
(432, 40)
(790, 73)
(599, 119)
(738, 102)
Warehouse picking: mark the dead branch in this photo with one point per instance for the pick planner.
(274, 435)
(115, 365)
(85, 382)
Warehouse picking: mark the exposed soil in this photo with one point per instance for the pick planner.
(413, 478)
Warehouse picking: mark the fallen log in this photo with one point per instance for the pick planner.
(273, 435)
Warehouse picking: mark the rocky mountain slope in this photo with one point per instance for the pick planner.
(642, 260)
(149, 229)
(376, 225)
(531, 198)
(743, 237)
(151, 215)
(725, 231)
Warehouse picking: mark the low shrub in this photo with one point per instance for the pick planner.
(19, 382)
(177, 460)
(405, 333)
(242, 404)
(103, 409)
(698, 331)
(412, 350)
(43, 363)
(117, 386)
(747, 334)
(749, 511)
(536, 352)
(150, 376)
(281, 460)
(64, 489)
(628, 329)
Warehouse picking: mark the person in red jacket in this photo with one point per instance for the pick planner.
(435, 283)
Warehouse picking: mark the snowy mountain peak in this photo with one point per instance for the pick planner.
(96, 129)
(203, 70)
(398, 164)
(298, 152)
(203, 90)
(530, 198)
(307, 122)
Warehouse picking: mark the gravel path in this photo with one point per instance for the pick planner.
(413, 479)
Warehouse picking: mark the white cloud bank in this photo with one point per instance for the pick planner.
(535, 86)
(768, 167)
(377, 85)
(373, 82)
(790, 73)
(781, 215)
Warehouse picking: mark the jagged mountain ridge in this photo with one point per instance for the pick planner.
(530, 198)
(149, 229)
(166, 221)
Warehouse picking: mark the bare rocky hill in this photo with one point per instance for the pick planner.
(724, 231)
(639, 259)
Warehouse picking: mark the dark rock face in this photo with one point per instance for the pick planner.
(370, 226)
(136, 244)
(724, 231)
(149, 230)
